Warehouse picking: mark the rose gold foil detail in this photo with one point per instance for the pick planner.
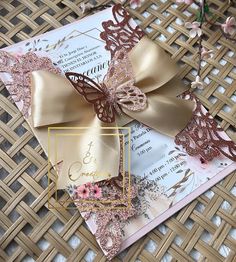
(203, 137)
(20, 68)
(122, 33)
(121, 192)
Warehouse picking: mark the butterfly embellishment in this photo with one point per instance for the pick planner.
(117, 90)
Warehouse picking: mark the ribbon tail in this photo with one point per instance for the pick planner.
(172, 88)
(89, 154)
(167, 115)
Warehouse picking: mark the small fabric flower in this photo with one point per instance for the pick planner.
(82, 191)
(86, 7)
(197, 83)
(205, 53)
(230, 26)
(195, 29)
(187, 2)
(97, 191)
(71, 190)
(136, 3)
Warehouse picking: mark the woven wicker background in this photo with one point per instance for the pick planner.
(203, 231)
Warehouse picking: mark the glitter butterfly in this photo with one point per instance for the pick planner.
(117, 90)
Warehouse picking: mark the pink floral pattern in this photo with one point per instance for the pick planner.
(97, 191)
(82, 192)
(87, 191)
(19, 68)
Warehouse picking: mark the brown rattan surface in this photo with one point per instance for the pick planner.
(202, 231)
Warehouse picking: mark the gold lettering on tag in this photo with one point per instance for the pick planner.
(74, 171)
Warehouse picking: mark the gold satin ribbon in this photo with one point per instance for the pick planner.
(55, 101)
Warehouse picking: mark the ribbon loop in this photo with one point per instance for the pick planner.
(55, 101)
(152, 67)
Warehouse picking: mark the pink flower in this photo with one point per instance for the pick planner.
(187, 2)
(195, 29)
(230, 26)
(136, 3)
(197, 83)
(86, 7)
(205, 53)
(82, 191)
(97, 191)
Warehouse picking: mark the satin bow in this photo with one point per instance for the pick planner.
(116, 92)
(55, 101)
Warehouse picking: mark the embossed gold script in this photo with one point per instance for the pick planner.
(74, 171)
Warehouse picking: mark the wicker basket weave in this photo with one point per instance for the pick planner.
(202, 231)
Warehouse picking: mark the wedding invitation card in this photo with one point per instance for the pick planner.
(168, 172)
